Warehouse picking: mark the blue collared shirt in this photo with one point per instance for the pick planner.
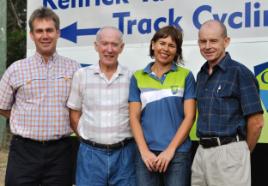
(225, 98)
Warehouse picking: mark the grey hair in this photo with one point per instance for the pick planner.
(98, 35)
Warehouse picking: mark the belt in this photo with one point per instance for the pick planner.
(208, 142)
(44, 142)
(114, 146)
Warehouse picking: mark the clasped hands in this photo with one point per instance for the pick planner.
(157, 163)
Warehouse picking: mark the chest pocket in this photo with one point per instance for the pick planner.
(60, 86)
(40, 89)
(33, 89)
(226, 90)
(226, 98)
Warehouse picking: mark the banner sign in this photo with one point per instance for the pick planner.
(139, 19)
(246, 22)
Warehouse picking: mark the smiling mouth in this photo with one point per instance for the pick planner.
(208, 53)
(109, 56)
(164, 55)
(45, 44)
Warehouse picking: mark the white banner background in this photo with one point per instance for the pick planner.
(246, 21)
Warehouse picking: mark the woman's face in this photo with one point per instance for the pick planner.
(164, 50)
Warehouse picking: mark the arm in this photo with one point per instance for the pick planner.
(255, 123)
(7, 91)
(182, 133)
(5, 113)
(74, 119)
(135, 115)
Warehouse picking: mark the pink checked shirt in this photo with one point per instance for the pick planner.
(36, 93)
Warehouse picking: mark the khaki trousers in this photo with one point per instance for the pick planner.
(226, 165)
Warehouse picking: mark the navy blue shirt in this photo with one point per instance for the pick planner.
(225, 98)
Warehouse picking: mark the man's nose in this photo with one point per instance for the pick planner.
(207, 44)
(45, 34)
(109, 48)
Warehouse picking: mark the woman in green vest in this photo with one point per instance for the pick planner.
(162, 112)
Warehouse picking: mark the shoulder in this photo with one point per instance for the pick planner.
(140, 75)
(89, 70)
(139, 72)
(239, 68)
(68, 62)
(182, 71)
(19, 65)
(125, 70)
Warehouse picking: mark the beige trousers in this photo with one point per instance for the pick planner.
(226, 165)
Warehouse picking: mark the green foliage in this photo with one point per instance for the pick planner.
(16, 45)
(16, 30)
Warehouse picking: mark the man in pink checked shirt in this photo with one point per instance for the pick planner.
(33, 94)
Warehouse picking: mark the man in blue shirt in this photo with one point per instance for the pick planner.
(230, 113)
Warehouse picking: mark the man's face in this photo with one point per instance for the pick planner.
(212, 43)
(45, 36)
(109, 46)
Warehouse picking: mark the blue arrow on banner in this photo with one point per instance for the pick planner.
(71, 32)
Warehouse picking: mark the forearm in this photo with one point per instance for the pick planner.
(147, 156)
(5, 113)
(137, 131)
(181, 134)
(74, 120)
(254, 126)
(135, 124)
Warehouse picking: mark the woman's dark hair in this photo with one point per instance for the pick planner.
(176, 36)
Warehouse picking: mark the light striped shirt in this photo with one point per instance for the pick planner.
(36, 93)
(103, 102)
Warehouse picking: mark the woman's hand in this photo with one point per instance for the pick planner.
(163, 160)
(149, 160)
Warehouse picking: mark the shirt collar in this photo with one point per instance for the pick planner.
(120, 69)
(221, 65)
(148, 69)
(39, 58)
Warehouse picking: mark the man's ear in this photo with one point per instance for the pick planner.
(58, 33)
(31, 35)
(226, 41)
(95, 46)
(122, 47)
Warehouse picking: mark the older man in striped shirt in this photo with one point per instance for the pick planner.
(33, 93)
(99, 114)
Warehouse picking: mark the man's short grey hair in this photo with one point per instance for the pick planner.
(98, 35)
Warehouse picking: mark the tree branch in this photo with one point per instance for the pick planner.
(18, 21)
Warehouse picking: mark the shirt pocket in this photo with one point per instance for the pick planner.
(33, 89)
(226, 99)
(61, 86)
